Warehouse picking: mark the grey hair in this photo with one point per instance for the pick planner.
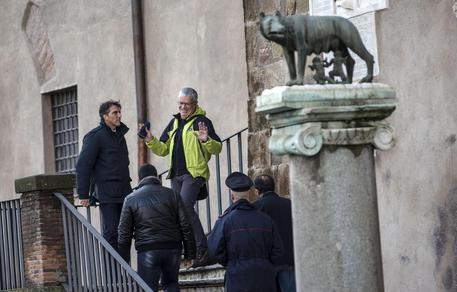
(240, 195)
(188, 91)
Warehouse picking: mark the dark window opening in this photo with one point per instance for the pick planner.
(64, 105)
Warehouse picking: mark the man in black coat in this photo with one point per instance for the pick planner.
(103, 166)
(279, 209)
(245, 241)
(156, 217)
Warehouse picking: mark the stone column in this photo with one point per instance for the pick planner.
(329, 133)
(42, 228)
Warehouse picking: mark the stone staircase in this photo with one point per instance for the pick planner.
(203, 279)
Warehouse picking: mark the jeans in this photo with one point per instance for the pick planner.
(165, 262)
(189, 188)
(286, 278)
(110, 214)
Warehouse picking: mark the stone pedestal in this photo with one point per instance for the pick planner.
(329, 133)
(42, 228)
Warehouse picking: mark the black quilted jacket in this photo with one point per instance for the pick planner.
(155, 216)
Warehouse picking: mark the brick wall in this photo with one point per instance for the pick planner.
(43, 239)
(42, 228)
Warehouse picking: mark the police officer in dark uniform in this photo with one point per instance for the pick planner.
(245, 241)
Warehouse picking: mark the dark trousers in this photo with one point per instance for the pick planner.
(165, 262)
(110, 213)
(189, 188)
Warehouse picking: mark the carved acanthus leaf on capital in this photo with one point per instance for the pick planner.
(348, 136)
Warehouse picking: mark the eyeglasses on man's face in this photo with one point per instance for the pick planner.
(185, 104)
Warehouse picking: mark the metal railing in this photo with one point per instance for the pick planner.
(216, 171)
(11, 252)
(92, 264)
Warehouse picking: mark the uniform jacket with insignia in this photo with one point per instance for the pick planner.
(246, 242)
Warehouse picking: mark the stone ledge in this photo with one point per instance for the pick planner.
(40, 289)
(217, 282)
(209, 276)
(316, 99)
(304, 118)
(45, 182)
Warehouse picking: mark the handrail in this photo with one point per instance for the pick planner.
(230, 137)
(92, 263)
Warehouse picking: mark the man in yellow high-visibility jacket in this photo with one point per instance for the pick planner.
(189, 140)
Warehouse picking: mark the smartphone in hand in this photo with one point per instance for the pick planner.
(142, 132)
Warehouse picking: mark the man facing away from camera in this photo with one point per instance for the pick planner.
(156, 217)
(103, 166)
(189, 140)
(279, 209)
(245, 241)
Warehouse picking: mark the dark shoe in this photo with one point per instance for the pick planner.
(201, 260)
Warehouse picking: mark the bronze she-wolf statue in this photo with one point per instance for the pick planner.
(315, 34)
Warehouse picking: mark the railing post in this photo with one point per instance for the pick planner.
(229, 166)
(42, 229)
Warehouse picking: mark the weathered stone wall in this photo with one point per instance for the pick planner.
(417, 179)
(38, 42)
(266, 69)
(20, 113)
(48, 45)
(198, 44)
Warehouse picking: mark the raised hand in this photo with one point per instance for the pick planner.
(148, 133)
(202, 132)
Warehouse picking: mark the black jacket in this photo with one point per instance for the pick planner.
(247, 243)
(104, 164)
(156, 217)
(279, 209)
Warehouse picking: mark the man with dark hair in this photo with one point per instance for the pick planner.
(189, 140)
(279, 209)
(156, 217)
(245, 241)
(103, 168)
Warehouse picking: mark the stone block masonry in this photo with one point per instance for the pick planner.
(266, 68)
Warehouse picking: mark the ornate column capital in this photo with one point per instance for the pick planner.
(304, 118)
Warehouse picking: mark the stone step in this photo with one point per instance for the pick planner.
(202, 279)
